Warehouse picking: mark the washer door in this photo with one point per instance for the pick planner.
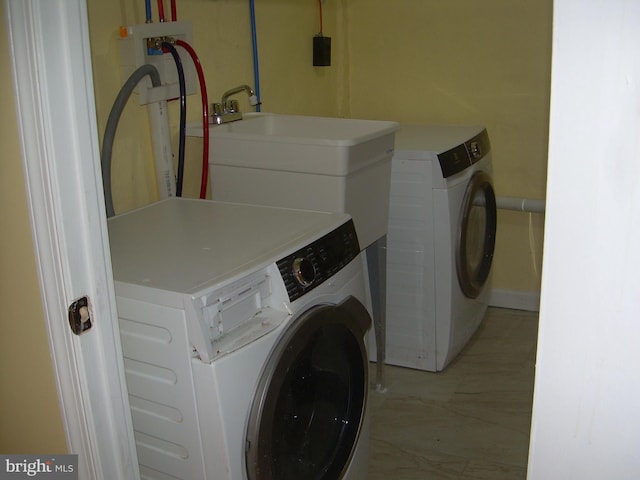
(477, 235)
(310, 401)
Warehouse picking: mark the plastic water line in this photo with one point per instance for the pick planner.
(161, 11)
(147, 9)
(112, 125)
(183, 115)
(254, 43)
(205, 116)
(174, 11)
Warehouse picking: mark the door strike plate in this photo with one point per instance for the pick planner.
(79, 317)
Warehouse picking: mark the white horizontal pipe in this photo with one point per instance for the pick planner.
(520, 204)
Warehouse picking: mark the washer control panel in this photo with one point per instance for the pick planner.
(308, 267)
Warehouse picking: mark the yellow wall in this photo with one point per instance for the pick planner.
(30, 420)
(466, 62)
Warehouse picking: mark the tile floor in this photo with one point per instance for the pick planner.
(470, 421)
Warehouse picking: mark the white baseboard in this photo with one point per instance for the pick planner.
(516, 299)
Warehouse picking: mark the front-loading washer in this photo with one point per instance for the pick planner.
(441, 239)
(243, 331)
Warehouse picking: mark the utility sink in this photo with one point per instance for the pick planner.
(313, 163)
(294, 128)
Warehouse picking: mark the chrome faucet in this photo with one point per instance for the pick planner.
(228, 110)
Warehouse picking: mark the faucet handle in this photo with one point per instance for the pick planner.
(232, 106)
(217, 109)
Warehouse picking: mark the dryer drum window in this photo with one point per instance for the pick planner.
(476, 235)
(310, 401)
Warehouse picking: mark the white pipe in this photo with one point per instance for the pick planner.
(161, 140)
(532, 205)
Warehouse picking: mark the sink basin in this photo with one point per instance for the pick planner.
(314, 163)
(303, 129)
(297, 143)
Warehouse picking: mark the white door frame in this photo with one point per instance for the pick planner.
(51, 62)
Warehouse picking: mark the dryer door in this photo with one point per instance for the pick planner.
(476, 234)
(310, 401)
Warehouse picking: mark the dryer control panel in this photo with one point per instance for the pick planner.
(464, 155)
(308, 267)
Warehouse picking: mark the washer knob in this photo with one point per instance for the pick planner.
(303, 271)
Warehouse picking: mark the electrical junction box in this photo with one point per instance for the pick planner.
(138, 46)
(321, 51)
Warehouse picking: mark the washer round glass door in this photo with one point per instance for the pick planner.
(310, 401)
(476, 235)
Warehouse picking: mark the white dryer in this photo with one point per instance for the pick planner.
(441, 239)
(243, 332)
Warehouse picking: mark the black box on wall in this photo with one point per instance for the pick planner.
(321, 51)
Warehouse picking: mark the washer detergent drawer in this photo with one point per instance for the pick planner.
(236, 315)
